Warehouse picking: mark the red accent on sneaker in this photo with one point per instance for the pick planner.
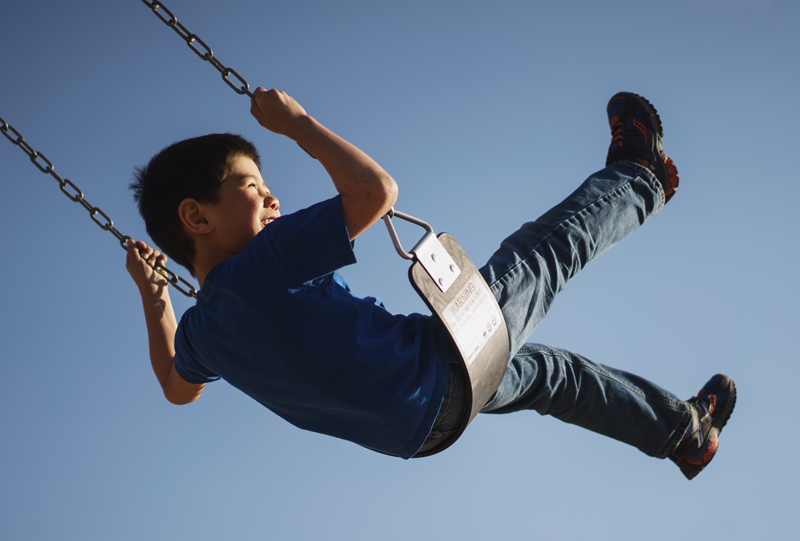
(712, 403)
(712, 449)
(617, 134)
(672, 171)
(641, 127)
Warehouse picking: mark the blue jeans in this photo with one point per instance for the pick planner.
(531, 267)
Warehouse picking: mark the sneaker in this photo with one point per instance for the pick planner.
(711, 409)
(636, 136)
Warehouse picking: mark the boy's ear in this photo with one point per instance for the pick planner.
(193, 218)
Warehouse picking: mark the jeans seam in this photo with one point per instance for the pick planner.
(593, 368)
(647, 396)
(676, 436)
(582, 211)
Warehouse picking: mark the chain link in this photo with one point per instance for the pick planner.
(76, 195)
(204, 51)
(106, 224)
(199, 47)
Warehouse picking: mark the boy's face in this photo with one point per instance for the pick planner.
(245, 206)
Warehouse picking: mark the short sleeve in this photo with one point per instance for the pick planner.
(187, 368)
(312, 242)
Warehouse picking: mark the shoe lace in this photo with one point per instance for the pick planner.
(705, 405)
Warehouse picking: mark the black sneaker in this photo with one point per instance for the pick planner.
(636, 136)
(711, 409)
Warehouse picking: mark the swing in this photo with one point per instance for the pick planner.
(453, 289)
(441, 273)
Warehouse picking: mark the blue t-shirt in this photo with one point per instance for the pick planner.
(279, 323)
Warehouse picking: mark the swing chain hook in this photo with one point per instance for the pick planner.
(429, 252)
(387, 219)
(76, 196)
(203, 51)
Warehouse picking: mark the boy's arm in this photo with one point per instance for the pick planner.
(367, 191)
(161, 323)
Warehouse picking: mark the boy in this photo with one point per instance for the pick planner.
(275, 319)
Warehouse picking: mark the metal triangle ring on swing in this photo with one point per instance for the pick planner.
(456, 293)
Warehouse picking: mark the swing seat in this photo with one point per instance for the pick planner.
(458, 296)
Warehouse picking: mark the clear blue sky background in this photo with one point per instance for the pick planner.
(487, 114)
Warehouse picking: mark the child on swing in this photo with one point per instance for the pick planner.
(275, 319)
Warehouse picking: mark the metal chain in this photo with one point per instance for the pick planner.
(76, 196)
(203, 51)
(198, 46)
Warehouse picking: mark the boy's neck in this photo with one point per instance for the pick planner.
(204, 261)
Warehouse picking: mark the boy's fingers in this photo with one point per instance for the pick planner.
(133, 250)
(137, 249)
(256, 94)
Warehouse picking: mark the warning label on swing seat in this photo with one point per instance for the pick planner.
(473, 318)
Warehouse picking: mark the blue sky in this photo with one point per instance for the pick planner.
(486, 114)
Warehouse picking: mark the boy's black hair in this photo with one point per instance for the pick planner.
(190, 169)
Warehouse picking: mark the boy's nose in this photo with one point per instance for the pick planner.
(271, 202)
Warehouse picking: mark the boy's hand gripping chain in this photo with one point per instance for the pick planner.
(203, 51)
(457, 294)
(76, 196)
